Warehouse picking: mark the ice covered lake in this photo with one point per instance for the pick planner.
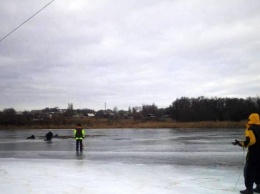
(140, 161)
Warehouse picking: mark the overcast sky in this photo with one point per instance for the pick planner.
(127, 53)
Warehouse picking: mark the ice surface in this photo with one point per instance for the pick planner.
(123, 161)
(24, 176)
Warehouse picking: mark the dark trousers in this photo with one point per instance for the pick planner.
(79, 145)
(251, 174)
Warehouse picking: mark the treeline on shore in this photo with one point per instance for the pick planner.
(213, 109)
(200, 112)
(92, 123)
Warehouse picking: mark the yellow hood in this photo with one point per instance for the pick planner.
(253, 119)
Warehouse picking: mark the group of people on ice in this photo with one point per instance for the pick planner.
(79, 135)
(48, 136)
(252, 142)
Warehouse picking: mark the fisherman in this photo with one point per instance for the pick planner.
(79, 135)
(252, 166)
(48, 136)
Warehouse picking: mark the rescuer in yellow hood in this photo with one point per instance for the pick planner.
(252, 166)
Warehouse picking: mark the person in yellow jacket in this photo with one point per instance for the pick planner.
(79, 135)
(252, 166)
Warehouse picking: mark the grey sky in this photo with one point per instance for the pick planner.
(127, 53)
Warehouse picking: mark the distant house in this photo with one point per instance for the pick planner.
(150, 117)
(105, 114)
(90, 115)
(78, 115)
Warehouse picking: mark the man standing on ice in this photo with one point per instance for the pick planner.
(79, 135)
(252, 166)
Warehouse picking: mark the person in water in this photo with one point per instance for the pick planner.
(48, 136)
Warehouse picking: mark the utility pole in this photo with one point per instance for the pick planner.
(105, 106)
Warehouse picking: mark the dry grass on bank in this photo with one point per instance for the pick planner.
(93, 123)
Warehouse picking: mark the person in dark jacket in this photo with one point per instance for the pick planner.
(48, 136)
(252, 166)
(31, 137)
(79, 135)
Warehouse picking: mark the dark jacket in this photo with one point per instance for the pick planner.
(254, 150)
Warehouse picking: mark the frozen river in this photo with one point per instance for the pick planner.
(122, 161)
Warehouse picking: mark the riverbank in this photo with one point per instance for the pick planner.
(114, 124)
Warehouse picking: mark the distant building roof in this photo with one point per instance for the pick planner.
(90, 114)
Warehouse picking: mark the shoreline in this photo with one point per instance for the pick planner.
(125, 124)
